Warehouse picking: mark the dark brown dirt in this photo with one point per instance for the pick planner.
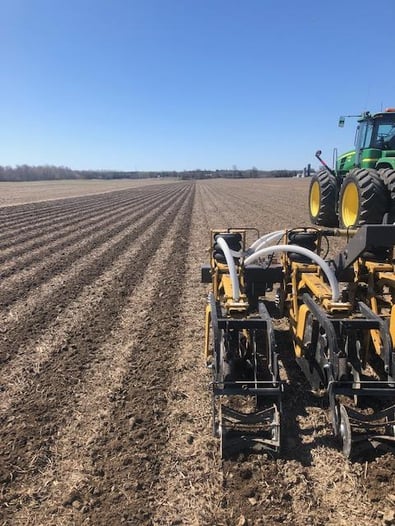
(104, 395)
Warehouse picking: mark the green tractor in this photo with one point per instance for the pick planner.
(361, 187)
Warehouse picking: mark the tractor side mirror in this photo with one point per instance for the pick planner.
(341, 122)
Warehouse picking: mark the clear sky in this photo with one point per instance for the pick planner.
(185, 84)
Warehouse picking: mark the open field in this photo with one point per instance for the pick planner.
(104, 401)
(16, 193)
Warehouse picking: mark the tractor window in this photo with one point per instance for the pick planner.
(364, 135)
(385, 136)
(367, 131)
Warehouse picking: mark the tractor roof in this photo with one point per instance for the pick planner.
(366, 115)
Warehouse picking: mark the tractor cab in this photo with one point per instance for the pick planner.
(374, 143)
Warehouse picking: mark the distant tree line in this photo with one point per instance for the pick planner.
(236, 174)
(46, 173)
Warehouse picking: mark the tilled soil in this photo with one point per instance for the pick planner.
(16, 193)
(104, 395)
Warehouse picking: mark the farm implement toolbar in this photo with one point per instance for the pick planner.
(341, 317)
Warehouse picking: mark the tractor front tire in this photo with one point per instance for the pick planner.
(322, 199)
(388, 176)
(363, 198)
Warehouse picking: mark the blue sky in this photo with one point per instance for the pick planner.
(185, 84)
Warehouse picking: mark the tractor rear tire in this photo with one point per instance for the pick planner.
(322, 199)
(388, 176)
(363, 198)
